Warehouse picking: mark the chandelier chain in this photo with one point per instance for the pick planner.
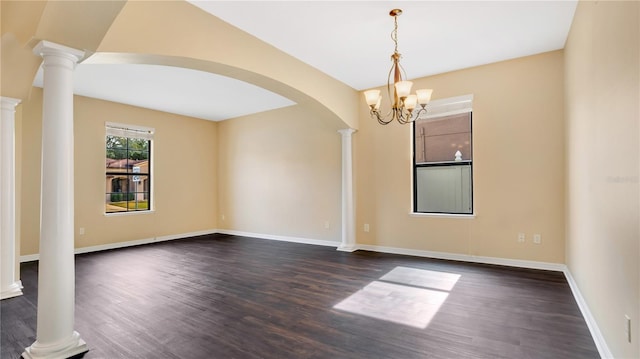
(394, 34)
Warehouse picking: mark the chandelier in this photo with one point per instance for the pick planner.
(404, 103)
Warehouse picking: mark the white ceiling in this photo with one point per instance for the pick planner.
(172, 89)
(348, 40)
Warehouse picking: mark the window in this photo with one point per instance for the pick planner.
(443, 158)
(128, 168)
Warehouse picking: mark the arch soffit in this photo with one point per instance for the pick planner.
(248, 76)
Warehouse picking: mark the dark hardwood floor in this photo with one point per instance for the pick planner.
(221, 296)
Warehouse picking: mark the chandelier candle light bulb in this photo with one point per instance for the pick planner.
(403, 88)
(424, 96)
(372, 97)
(410, 102)
(403, 103)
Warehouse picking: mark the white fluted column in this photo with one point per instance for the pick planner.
(10, 286)
(348, 243)
(55, 336)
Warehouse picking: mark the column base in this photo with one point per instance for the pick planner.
(72, 347)
(347, 248)
(14, 290)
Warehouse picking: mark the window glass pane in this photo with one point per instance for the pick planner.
(443, 170)
(114, 208)
(439, 139)
(138, 166)
(141, 205)
(114, 143)
(117, 183)
(136, 155)
(116, 154)
(113, 165)
(138, 144)
(444, 189)
(117, 201)
(127, 174)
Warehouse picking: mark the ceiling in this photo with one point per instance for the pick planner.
(348, 40)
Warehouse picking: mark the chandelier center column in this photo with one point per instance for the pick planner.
(348, 243)
(10, 286)
(55, 337)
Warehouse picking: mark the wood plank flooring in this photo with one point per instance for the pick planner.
(221, 296)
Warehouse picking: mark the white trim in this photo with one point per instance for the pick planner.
(128, 213)
(29, 258)
(14, 290)
(318, 242)
(343, 248)
(559, 267)
(130, 131)
(448, 106)
(137, 242)
(443, 215)
(597, 336)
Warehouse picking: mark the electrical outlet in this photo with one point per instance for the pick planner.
(627, 327)
(521, 237)
(537, 239)
(81, 231)
(224, 217)
(366, 227)
(326, 224)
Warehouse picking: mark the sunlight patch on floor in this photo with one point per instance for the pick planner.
(405, 296)
(422, 278)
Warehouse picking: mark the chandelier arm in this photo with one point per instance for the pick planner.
(391, 92)
(403, 73)
(423, 109)
(380, 118)
(404, 117)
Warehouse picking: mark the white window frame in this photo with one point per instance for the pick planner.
(440, 108)
(134, 131)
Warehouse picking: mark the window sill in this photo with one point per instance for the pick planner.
(129, 213)
(443, 215)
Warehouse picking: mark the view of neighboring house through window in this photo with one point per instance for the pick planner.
(443, 158)
(128, 168)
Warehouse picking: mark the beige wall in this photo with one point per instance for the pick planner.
(518, 136)
(184, 164)
(279, 174)
(602, 92)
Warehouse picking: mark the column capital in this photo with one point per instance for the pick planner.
(9, 103)
(45, 48)
(347, 131)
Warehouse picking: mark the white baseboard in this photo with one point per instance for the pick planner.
(137, 242)
(598, 338)
(465, 258)
(272, 237)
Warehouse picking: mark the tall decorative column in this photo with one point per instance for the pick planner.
(55, 337)
(348, 243)
(10, 286)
